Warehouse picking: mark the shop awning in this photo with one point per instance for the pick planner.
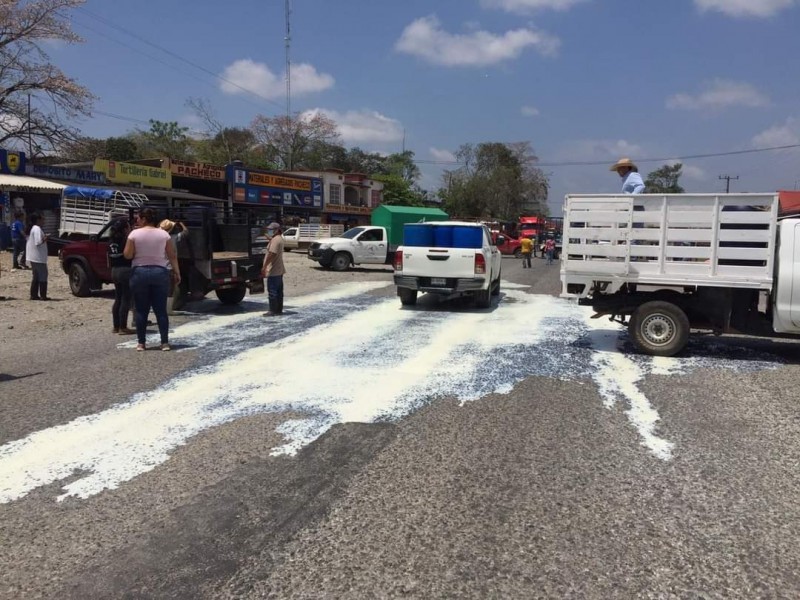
(23, 182)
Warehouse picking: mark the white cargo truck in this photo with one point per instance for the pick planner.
(667, 264)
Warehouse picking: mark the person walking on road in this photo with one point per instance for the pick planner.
(36, 255)
(526, 247)
(17, 240)
(150, 251)
(550, 249)
(121, 276)
(274, 270)
(631, 180)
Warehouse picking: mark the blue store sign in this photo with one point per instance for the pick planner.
(66, 173)
(275, 189)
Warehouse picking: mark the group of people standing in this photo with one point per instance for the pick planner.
(144, 266)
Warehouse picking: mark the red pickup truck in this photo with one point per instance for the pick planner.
(510, 246)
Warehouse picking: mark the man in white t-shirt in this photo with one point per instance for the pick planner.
(36, 255)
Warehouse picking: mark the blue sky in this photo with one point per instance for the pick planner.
(582, 80)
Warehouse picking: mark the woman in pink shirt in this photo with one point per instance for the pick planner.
(151, 251)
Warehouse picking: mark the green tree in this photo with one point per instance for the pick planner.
(164, 139)
(37, 100)
(664, 180)
(86, 149)
(399, 192)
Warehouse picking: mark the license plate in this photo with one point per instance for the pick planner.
(438, 281)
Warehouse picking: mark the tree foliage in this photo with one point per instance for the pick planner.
(398, 191)
(291, 142)
(86, 149)
(164, 139)
(495, 181)
(664, 180)
(27, 73)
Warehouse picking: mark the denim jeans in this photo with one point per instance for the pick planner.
(550, 254)
(526, 260)
(19, 246)
(275, 293)
(150, 287)
(121, 276)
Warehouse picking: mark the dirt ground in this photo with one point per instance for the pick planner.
(67, 312)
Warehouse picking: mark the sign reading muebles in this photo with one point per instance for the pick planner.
(122, 172)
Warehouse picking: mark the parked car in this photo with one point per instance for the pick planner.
(507, 245)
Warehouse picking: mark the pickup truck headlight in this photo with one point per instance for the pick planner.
(324, 246)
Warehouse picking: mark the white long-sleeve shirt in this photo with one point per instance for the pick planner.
(632, 183)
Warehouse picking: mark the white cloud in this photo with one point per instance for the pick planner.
(745, 8)
(779, 135)
(689, 171)
(426, 39)
(591, 150)
(362, 126)
(257, 77)
(718, 94)
(529, 111)
(529, 6)
(442, 155)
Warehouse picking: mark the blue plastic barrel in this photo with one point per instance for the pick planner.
(418, 235)
(442, 236)
(467, 237)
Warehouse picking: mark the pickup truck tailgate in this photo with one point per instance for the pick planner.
(439, 262)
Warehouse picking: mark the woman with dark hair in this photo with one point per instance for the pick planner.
(150, 250)
(36, 255)
(121, 276)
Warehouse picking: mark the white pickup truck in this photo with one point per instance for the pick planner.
(365, 244)
(302, 236)
(667, 264)
(448, 258)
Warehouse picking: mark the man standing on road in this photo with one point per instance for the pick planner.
(526, 247)
(274, 270)
(17, 240)
(36, 255)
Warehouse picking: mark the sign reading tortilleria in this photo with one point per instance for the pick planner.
(279, 181)
(197, 170)
(122, 172)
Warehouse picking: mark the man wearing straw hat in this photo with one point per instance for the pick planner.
(631, 180)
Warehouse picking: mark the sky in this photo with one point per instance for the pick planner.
(584, 81)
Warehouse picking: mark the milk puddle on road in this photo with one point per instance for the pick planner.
(343, 356)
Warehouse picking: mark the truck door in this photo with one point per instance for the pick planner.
(370, 247)
(99, 255)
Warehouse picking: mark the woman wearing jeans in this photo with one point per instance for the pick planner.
(150, 251)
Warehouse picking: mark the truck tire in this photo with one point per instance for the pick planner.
(483, 298)
(518, 253)
(340, 261)
(659, 328)
(79, 280)
(231, 295)
(408, 297)
(496, 287)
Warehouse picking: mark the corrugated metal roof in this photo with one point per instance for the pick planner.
(23, 182)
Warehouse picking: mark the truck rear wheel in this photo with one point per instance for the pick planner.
(79, 280)
(340, 261)
(483, 298)
(231, 295)
(408, 297)
(659, 328)
(518, 253)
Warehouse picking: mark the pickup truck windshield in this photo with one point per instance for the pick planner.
(351, 233)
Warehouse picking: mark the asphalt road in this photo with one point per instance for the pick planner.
(355, 449)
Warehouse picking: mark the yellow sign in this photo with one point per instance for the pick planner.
(13, 161)
(122, 172)
(197, 170)
(278, 181)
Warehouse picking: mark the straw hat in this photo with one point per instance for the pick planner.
(624, 162)
(167, 225)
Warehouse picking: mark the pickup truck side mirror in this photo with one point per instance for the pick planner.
(93, 237)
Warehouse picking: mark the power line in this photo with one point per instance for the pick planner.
(593, 163)
(175, 55)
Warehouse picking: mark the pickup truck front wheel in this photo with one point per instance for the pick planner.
(340, 261)
(79, 280)
(407, 297)
(659, 328)
(231, 295)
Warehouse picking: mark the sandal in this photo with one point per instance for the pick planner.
(140, 348)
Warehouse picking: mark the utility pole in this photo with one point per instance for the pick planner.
(727, 179)
(30, 138)
(288, 84)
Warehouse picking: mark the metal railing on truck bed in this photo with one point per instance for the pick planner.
(85, 211)
(679, 239)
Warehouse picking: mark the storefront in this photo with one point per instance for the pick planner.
(271, 196)
(19, 192)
